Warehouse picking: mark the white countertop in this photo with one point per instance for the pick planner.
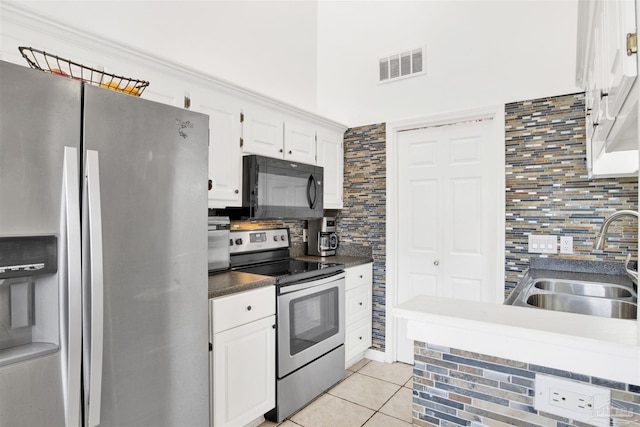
(590, 345)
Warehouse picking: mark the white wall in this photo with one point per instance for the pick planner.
(322, 56)
(478, 53)
(266, 46)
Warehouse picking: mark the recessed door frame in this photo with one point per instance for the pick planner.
(496, 113)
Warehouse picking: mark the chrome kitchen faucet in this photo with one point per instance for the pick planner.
(602, 236)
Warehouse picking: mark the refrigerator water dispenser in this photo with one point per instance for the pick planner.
(28, 297)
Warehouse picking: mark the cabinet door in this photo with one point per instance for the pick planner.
(357, 340)
(299, 142)
(359, 275)
(331, 158)
(262, 132)
(358, 303)
(225, 156)
(602, 119)
(618, 20)
(358, 311)
(244, 373)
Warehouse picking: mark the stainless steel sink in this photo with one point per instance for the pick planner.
(584, 305)
(589, 289)
(595, 298)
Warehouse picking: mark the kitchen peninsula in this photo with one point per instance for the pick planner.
(510, 346)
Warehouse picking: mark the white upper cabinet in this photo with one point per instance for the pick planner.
(299, 142)
(272, 133)
(620, 69)
(225, 158)
(331, 158)
(262, 132)
(607, 70)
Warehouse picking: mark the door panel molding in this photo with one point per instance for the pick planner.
(496, 115)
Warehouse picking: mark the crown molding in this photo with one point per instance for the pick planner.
(27, 19)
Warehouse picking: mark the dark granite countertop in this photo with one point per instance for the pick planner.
(348, 261)
(231, 282)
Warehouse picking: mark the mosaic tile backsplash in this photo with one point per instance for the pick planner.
(362, 220)
(548, 190)
(453, 387)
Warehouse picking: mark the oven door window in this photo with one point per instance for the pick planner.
(313, 319)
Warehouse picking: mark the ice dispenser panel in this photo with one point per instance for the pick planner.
(28, 297)
(27, 256)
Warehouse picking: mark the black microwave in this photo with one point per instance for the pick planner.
(275, 188)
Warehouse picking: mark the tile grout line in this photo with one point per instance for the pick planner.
(328, 392)
(375, 411)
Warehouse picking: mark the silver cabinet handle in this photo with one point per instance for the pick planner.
(94, 284)
(436, 263)
(73, 314)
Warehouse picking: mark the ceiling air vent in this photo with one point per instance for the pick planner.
(404, 64)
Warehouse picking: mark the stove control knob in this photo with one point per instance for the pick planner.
(282, 237)
(238, 241)
(275, 238)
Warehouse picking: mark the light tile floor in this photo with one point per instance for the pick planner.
(373, 394)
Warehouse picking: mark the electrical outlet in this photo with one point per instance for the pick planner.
(566, 244)
(305, 238)
(541, 244)
(574, 400)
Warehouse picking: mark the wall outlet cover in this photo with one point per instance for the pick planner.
(572, 399)
(566, 244)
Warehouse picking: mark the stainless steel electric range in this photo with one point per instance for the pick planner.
(310, 315)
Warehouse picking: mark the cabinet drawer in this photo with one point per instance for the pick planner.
(357, 338)
(359, 275)
(358, 303)
(234, 310)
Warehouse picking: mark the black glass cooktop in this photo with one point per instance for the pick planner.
(292, 270)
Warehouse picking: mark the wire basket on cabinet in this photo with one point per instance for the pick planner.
(54, 64)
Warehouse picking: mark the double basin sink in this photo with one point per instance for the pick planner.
(596, 298)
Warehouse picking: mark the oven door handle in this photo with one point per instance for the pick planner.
(312, 283)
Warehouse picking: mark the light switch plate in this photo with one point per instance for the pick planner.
(542, 244)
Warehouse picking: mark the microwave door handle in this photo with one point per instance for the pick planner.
(319, 240)
(254, 205)
(310, 182)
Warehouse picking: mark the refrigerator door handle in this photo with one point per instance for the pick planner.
(72, 352)
(92, 182)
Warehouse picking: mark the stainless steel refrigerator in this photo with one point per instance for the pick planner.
(110, 326)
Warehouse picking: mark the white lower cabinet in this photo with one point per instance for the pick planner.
(358, 307)
(243, 365)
